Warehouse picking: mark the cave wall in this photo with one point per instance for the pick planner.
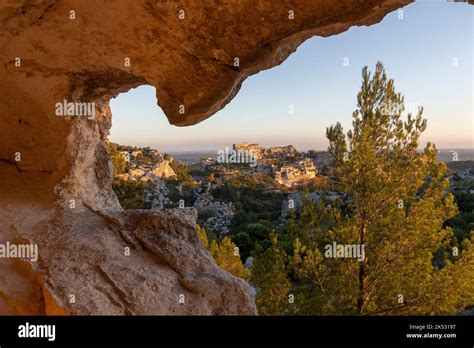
(77, 50)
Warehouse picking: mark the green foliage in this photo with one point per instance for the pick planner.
(144, 160)
(251, 233)
(183, 175)
(174, 194)
(398, 211)
(225, 253)
(118, 161)
(253, 181)
(463, 222)
(257, 213)
(130, 193)
(400, 207)
(269, 276)
(464, 201)
(227, 257)
(201, 232)
(314, 221)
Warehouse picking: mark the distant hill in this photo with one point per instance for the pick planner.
(461, 165)
(449, 155)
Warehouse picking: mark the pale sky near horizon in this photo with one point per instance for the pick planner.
(419, 52)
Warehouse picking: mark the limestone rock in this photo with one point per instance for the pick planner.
(164, 170)
(55, 187)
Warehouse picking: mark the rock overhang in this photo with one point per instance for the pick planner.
(196, 54)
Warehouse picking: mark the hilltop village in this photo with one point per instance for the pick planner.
(145, 178)
(244, 191)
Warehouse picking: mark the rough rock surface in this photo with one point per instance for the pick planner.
(63, 160)
(161, 170)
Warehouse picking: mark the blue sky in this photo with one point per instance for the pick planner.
(419, 51)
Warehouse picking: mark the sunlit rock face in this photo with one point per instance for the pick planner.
(55, 181)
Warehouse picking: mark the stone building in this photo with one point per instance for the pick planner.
(295, 174)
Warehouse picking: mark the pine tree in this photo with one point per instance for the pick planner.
(227, 257)
(269, 276)
(225, 253)
(119, 163)
(202, 235)
(400, 202)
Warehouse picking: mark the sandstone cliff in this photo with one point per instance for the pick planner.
(55, 187)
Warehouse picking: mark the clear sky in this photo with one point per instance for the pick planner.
(428, 52)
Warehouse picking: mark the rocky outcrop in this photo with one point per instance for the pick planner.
(221, 213)
(296, 173)
(55, 187)
(136, 262)
(164, 170)
(146, 165)
(157, 197)
(161, 170)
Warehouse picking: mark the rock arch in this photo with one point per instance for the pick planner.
(190, 61)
